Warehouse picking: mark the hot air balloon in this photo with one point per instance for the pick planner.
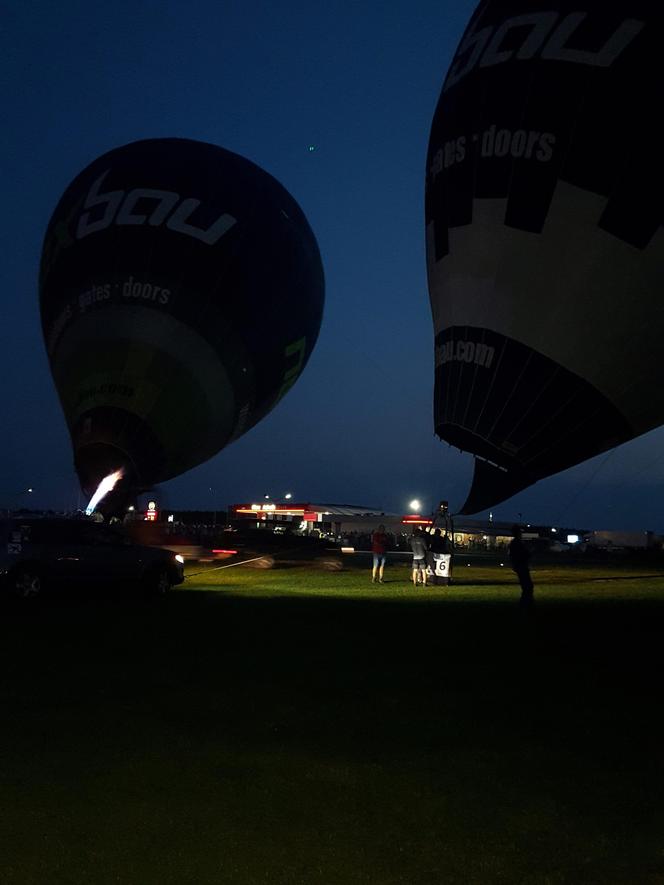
(181, 295)
(545, 248)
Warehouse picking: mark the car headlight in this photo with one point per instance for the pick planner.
(179, 558)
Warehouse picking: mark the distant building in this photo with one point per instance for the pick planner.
(334, 519)
(616, 540)
(350, 520)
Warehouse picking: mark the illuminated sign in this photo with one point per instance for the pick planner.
(258, 509)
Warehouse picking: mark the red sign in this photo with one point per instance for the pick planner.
(416, 519)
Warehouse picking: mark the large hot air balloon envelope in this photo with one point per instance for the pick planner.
(181, 295)
(545, 247)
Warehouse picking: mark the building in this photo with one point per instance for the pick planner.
(616, 540)
(355, 524)
(327, 519)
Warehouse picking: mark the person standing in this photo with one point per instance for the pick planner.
(520, 559)
(441, 561)
(420, 548)
(379, 542)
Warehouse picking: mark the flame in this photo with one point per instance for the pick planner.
(107, 484)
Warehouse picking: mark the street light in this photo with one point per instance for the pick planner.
(288, 496)
(415, 505)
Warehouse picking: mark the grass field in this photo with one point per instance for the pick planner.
(295, 726)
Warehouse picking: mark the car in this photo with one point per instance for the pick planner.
(40, 554)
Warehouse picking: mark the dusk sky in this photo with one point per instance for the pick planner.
(359, 84)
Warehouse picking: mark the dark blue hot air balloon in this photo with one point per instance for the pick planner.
(181, 295)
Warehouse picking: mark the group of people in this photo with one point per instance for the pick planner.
(437, 541)
(422, 546)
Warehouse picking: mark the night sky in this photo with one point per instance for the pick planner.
(359, 84)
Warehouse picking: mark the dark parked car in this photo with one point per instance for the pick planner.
(37, 554)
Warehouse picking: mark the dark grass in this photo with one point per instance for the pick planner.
(292, 726)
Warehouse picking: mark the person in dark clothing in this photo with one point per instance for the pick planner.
(440, 564)
(520, 559)
(436, 542)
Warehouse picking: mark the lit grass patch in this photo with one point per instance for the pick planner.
(484, 583)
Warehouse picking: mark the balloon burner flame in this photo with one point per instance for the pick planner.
(107, 485)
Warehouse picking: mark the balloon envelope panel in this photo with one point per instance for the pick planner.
(544, 237)
(181, 296)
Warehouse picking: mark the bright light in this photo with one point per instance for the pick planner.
(288, 496)
(415, 506)
(30, 490)
(267, 497)
(107, 485)
(554, 530)
(131, 508)
(179, 558)
(572, 539)
(170, 518)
